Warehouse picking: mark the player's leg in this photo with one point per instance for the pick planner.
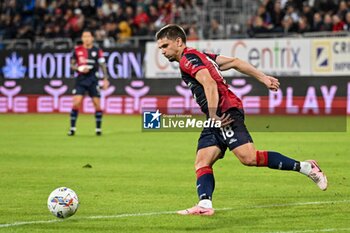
(249, 156)
(241, 144)
(205, 159)
(74, 113)
(98, 115)
(94, 92)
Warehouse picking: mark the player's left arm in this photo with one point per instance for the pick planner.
(226, 63)
(102, 63)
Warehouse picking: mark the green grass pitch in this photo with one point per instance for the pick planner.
(138, 179)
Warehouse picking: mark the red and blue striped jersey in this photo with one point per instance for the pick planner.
(191, 62)
(88, 57)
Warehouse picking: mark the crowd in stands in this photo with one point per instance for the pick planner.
(121, 19)
(300, 16)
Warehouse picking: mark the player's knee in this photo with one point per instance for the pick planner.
(98, 107)
(76, 104)
(200, 163)
(247, 159)
(97, 103)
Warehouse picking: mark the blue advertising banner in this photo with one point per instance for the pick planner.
(50, 64)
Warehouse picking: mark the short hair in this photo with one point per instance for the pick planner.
(88, 30)
(172, 32)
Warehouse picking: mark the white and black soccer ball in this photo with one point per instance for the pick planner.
(63, 202)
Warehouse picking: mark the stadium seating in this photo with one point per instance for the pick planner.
(29, 24)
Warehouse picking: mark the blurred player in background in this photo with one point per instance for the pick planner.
(201, 72)
(85, 60)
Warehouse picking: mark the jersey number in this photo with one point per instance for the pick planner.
(227, 132)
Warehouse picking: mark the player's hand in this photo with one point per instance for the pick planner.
(225, 119)
(105, 84)
(86, 70)
(272, 83)
(83, 69)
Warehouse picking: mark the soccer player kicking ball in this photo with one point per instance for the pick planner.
(86, 60)
(201, 72)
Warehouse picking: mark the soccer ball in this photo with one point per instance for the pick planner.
(63, 202)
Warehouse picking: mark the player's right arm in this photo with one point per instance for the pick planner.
(211, 90)
(226, 63)
(212, 95)
(74, 65)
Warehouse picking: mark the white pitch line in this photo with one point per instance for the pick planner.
(27, 223)
(315, 230)
(127, 215)
(288, 204)
(173, 212)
